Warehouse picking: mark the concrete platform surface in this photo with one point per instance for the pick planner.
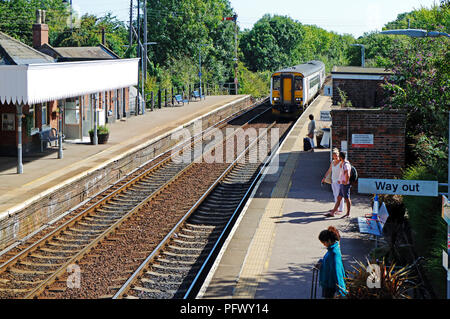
(43, 171)
(275, 244)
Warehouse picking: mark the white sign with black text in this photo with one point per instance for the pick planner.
(397, 187)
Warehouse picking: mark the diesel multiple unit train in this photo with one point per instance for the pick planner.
(293, 88)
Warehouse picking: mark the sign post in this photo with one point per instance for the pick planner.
(445, 254)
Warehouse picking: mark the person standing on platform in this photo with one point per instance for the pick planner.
(344, 186)
(311, 129)
(331, 268)
(334, 170)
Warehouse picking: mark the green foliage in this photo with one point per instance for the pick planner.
(18, 16)
(253, 83)
(179, 27)
(423, 18)
(278, 41)
(89, 33)
(271, 42)
(428, 227)
(394, 284)
(101, 130)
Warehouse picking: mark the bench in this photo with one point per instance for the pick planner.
(48, 136)
(368, 225)
(180, 99)
(197, 95)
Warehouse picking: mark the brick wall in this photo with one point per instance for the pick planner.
(387, 157)
(362, 93)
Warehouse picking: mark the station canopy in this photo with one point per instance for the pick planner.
(43, 82)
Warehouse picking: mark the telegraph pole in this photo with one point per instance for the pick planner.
(236, 55)
(234, 18)
(130, 40)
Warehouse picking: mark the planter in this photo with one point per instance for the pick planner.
(101, 138)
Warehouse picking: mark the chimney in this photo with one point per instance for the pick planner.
(40, 30)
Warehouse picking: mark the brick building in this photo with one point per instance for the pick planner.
(362, 85)
(375, 140)
(34, 88)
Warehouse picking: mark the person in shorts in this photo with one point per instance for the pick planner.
(344, 186)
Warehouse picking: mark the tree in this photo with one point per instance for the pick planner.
(270, 43)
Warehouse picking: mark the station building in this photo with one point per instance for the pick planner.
(38, 90)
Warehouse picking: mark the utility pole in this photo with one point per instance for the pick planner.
(144, 58)
(145, 40)
(138, 106)
(236, 55)
(130, 40)
(234, 18)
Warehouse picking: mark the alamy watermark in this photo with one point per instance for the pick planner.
(226, 146)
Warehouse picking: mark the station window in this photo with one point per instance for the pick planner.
(298, 83)
(276, 83)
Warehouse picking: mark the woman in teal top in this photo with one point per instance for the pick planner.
(331, 273)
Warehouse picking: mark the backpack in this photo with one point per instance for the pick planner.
(353, 174)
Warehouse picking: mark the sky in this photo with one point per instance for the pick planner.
(341, 16)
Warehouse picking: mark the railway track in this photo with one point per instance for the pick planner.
(29, 272)
(174, 268)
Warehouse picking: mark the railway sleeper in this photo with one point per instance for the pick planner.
(143, 293)
(211, 216)
(178, 256)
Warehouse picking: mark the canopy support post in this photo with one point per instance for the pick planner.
(19, 139)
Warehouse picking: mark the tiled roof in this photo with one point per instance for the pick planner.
(98, 53)
(13, 52)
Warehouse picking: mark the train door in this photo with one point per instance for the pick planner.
(287, 83)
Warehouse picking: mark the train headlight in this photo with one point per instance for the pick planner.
(276, 99)
(298, 99)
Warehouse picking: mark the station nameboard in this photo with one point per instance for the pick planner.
(397, 187)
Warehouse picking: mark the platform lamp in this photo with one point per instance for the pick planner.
(362, 52)
(419, 33)
(200, 66)
(144, 71)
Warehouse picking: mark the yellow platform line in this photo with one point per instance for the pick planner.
(257, 259)
(258, 256)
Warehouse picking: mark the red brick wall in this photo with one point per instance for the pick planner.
(387, 157)
(362, 93)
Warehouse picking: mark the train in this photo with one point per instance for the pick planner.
(293, 88)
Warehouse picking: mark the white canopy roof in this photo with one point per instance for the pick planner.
(37, 83)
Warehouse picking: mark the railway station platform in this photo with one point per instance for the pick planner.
(274, 244)
(47, 186)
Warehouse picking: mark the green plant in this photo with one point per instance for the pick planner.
(344, 101)
(393, 283)
(101, 130)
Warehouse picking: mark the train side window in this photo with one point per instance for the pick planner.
(298, 83)
(276, 83)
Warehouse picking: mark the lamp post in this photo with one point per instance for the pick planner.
(200, 67)
(144, 71)
(362, 52)
(419, 33)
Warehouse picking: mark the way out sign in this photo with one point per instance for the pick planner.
(397, 187)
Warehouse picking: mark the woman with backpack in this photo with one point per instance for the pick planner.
(344, 186)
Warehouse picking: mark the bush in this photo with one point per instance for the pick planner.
(428, 228)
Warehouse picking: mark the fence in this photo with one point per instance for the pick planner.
(166, 97)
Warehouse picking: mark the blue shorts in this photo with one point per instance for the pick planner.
(344, 190)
